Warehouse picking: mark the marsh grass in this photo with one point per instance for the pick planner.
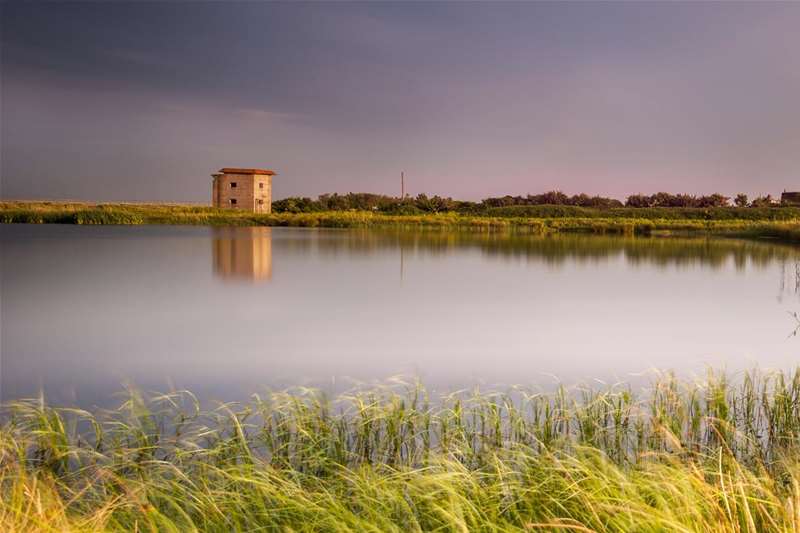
(680, 456)
(777, 223)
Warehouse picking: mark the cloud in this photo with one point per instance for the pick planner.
(469, 99)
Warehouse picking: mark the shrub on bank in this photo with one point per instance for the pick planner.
(660, 213)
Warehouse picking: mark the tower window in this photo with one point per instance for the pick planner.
(260, 201)
(261, 185)
(233, 185)
(233, 201)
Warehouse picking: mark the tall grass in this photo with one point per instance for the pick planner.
(681, 456)
(780, 223)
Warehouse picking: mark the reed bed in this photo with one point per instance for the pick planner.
(776, 223)
(680, 456)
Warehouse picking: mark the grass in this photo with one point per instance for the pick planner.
(680, 456)
(779, 223)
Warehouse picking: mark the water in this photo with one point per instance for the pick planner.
(225, 312)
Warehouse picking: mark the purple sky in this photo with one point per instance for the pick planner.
(142, 101)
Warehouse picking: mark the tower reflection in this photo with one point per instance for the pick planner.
(243, 253)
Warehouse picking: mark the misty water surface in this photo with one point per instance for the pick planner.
(228, 311)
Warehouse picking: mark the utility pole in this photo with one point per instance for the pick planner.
(402, 263)
(402, 185)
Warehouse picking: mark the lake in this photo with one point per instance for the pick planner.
(226, 312)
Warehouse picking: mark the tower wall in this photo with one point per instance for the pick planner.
(250, 192)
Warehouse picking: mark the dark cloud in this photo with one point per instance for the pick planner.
(142, 101)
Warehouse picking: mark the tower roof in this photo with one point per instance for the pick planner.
(261, 171)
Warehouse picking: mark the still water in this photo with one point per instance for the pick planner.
(226, 312)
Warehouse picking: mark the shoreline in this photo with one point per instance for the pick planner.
(775, 223)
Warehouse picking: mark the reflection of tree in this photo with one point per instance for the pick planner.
(402, 263)
(550, 249)
(243, 253)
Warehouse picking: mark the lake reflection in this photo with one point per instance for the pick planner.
(243, 253)
(85, 309)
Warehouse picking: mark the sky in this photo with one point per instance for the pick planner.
(143, 101)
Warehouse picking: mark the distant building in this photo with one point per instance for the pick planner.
(243, 188)
(790, 198)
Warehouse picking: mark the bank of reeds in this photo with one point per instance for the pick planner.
(711, 456)
(778, 223)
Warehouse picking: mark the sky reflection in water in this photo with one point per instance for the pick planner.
(226, 311)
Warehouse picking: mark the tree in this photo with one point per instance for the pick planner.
(554, 198)
(713, 200)
(662, 199)
(762, 201)
(638, 200)
(741, 200)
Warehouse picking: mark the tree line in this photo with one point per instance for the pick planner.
(423, 203)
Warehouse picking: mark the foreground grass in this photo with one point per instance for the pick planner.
(681, 457)
(780, 223)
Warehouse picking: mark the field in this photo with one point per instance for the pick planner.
(782, 223)
(716, 455)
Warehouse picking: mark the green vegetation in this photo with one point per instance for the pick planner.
(780, 223)
(712, 456)
(422, 203)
